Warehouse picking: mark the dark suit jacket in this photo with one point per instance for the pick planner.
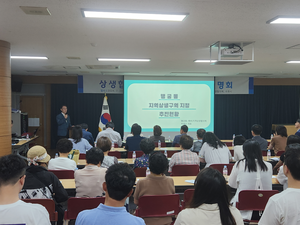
(88, 136)
(133, 143)
(62, 125)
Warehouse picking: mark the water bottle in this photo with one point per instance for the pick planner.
(166, 154)
(95, 144)
(169, 138)
(225, 172)
(268, 155)
(56, 155)
(233, 137)
(112, 145)
(272, 136)
(27, 136)
(159, 144)
(133, 156)
(147, 171)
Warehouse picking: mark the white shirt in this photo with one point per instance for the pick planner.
(24, 213)
(206, 214)
(245, 180)
(114, 136)
(62, 163)
(213, 155)
(282, 209)
(238, 152)
(282, 179)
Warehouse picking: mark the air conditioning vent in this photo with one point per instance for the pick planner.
(103, 67)
(31, 10)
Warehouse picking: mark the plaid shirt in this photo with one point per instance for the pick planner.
(185, 157)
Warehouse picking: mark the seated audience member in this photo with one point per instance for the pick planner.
(250, 173)
(157, 134)
(40, 183)
(131, 133)
(256, 130)
(297, 125)
(79, 143)
(282, 179)
(198, 144)
(89, 180)
(63, 146)
(147, 146)
(184, 157)
(110, 132)
(133, 143)
(12, 209)
(210, 202)
(183, 131)
(214, 151)
(105, 145)
(86, 134)
(155, 184)
(283, 208)
(278, 142)
(238, 142)
(119, 181)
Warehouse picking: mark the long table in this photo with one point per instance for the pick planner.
(179, 181)
(156, 149)
(23, 145)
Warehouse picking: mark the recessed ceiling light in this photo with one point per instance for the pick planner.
(28, 57)
(204, 61)
(293, 62)
(133, 16)
(123, 60)
(284, 20)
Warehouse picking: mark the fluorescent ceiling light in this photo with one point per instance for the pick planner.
(204, 61)
(123, 60)
(284, 20)
(133, 16)
(293, 62)
(28, 57)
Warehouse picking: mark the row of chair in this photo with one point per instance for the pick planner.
(177, 170)
(157, 205)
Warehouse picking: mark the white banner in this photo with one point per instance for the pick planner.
(234, 85)
(100, 84)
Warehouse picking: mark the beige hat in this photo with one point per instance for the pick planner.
(37, 154)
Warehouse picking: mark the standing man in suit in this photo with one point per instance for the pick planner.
(63, 123)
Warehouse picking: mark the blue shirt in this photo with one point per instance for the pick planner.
(107, 215)
(83, 145)
(177, 139)
(88, 136)
(298, 133)
(142, 161)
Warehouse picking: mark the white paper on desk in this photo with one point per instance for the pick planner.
(274, 176)
(33, 122)
(163, 149)
(190, 181)
(275, 159)
(121, 161)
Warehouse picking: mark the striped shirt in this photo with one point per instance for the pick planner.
(185, 157)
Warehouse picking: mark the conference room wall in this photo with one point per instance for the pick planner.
(84, 108)
(234, 114)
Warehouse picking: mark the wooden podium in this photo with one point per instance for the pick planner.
(291, 129)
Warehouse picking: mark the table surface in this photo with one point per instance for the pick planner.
(24, 141)
(179, 181)
(156, 149)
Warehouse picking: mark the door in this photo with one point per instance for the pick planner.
(34, 106)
